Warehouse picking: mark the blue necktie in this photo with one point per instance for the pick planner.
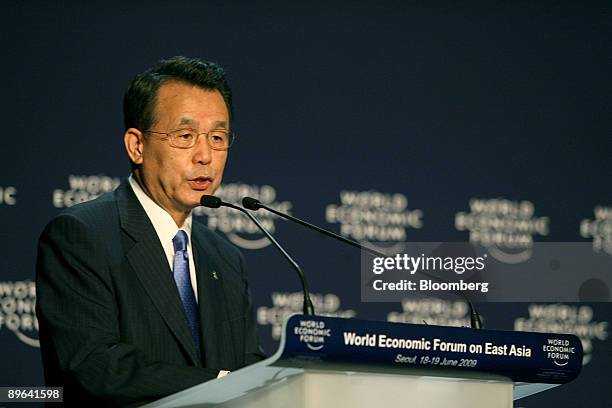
(183, 284)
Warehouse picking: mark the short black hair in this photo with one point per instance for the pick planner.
(140, 97)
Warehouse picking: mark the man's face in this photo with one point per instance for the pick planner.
(176, 178)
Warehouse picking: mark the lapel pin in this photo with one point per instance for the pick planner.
(215, 276)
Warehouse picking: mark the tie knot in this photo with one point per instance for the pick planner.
(180, 241)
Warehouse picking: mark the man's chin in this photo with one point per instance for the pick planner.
(194, 199)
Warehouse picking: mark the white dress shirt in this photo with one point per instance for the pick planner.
(166, 229)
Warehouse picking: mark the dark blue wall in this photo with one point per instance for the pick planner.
(440, 103)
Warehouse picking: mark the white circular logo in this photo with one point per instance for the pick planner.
(285, 304)
(238, 228)
(371, 216)
(434, 311)
(506, 228)
(8, 195)
(564, 318)
(17, 310)
(83, 188)
(599, 229)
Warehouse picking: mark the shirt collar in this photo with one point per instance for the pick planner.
(162, 221)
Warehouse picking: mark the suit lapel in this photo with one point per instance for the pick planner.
(211, 301)
(150, 264)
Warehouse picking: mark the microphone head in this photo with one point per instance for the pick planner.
(251, 203)
(210, 201)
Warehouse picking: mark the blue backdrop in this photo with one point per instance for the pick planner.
(383, 122)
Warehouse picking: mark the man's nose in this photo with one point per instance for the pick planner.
(202, 153)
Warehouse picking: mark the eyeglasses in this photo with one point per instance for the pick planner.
(187, 138)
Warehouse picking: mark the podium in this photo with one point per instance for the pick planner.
(332, 362)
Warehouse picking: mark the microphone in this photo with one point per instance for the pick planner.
(215, 202)
(210, 201)
(254, 205)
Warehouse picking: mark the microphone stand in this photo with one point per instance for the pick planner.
(216, 202)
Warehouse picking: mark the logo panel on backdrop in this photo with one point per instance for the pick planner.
(83, 188)
(17, 312)
(239, 229)
(599, 230)
(372, 216)
(8, 195)
(439, 312)
(505, 227)
(285, 304)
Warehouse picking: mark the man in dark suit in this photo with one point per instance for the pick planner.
(134, 300)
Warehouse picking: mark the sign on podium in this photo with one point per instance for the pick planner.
(333, 362)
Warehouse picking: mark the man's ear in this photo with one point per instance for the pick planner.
(134, 143)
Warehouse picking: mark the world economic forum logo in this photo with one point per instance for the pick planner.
(8, 195)
(371, 216)
(599, 229)
(17, 314)
(236, 226)
(505, 227)
(313, 333)
(83, 188)
(565, 318)
(432, 311)
(285, 304)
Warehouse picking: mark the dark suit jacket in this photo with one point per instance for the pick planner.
(112, 326)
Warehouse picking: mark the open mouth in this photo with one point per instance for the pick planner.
(200, 183)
